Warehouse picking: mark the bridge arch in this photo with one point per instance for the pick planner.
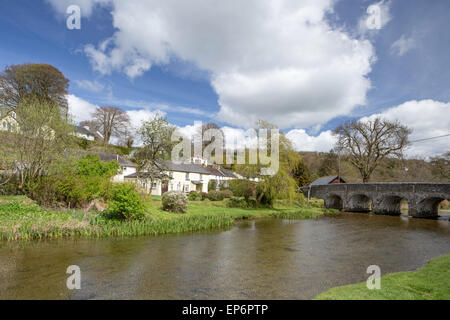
(389, 204)
(428, 207)
(334, 201)
(359, 202)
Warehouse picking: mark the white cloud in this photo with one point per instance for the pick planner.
(302, 141)
(93, 86)
(275, 60)
(80, 109)
(427, 118)
(402, 45)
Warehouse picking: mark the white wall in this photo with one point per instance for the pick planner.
(125, 172)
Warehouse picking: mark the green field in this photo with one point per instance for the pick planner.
(21, 219)
(431, 282)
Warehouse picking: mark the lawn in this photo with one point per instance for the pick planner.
(21, 219)
(431, 282)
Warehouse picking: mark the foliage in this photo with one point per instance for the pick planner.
(193, 196)
(216, 195)
(75, 182)
(204, 195)
(300, 173)
(42, 81)
(174, 201)
(227, 193)
(40, 139)
(243, 188)
(212, 185)
(125, 203)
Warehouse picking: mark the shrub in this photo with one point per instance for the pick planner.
(215, 196)
(204, 195)
(227, 194)
(241, 202)
(174, 201)
(194, 196)
(243, 188)
(237, 202)
(212, 185)
(125, 203)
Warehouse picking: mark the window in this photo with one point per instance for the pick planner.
(171, 186)
(5, 126)
(186, 188)
(171, 174)
(201, 177)
(179, 186)
(154, 185)
(13, 114)
(124, 168)
(187, 175)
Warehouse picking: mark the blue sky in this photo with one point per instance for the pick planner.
(306, 68)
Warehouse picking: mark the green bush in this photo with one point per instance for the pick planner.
(125, 203)
(243, 188)
(74, 182)
(174, 201)
(194, 196)
(215, 195)
(241, 202)
(204, 195)
(212, 185)
(227, 194)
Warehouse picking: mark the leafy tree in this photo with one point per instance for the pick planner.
(367, 143)
(156, 137)
(110, 121)
(329, 164)
(42, 138)
(301, 173)
(43, 81)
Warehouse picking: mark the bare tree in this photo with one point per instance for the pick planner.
(111, 121)
(369, 142)
(39, 80)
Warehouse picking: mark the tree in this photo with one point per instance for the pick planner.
(329, 164)
(301, 173)
(42, 137)
(110, 121)
(369, 142)
(40, 80)
(440, 166)
(156, 137)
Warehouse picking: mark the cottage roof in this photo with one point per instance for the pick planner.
(325, 180)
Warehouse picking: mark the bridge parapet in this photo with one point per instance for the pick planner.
(383, 198)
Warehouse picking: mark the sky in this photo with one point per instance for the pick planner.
(304, 65)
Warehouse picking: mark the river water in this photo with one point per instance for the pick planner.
(263, 259)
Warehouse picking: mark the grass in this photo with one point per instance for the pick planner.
(21, 219)
(431, 282)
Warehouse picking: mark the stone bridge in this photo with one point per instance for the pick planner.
(383, 198)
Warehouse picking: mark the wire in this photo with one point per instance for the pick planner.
(446, 135)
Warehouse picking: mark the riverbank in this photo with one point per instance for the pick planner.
(21, 219)
(432, 282)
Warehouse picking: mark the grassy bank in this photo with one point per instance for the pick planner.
(431, 282)
(21, 219)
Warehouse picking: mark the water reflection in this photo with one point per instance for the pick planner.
(264, 259)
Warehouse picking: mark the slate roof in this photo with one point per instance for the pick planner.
(83, 130)
(325, 180)
(109, 157)
(182, 167)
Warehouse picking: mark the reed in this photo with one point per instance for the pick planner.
(20, 219)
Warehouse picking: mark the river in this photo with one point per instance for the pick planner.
(262, 259)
